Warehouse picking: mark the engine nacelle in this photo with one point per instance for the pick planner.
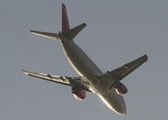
(79, 94)
(121, 89)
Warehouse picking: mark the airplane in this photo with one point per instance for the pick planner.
(107, 85)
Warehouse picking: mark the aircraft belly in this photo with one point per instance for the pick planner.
(84, 67)
(77, 60)
(79, 65)
(110, 98)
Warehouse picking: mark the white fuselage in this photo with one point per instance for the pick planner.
(84, 66)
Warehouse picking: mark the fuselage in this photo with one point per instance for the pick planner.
(84, 66)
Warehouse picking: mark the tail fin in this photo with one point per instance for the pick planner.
(65, 22)
(66, 31)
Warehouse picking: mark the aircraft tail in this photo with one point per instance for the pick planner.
(66, 31)
(65, 22)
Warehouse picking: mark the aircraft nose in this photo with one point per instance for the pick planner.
(117, 103)
(119, 106)
(120, 110)
(114, 101)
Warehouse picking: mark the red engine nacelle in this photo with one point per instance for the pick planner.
(121, 89)
(79, 94)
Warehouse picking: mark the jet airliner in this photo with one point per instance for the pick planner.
(107, 85)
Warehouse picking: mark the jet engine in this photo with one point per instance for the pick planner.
(120, 88)
(79, 94)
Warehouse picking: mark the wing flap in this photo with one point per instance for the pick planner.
(126, 69)
(48, 77)
(69, 81)
(109, 78)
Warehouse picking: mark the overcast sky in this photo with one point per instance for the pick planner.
(117, 32)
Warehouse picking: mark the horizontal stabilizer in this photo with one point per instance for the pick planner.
(46, 34)
(70, 34)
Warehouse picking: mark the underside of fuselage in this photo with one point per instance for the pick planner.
(87, 69)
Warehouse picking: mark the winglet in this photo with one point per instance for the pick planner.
(25, 72)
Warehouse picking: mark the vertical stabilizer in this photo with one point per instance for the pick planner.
(65, 22)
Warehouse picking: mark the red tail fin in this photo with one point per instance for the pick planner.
(65, 22)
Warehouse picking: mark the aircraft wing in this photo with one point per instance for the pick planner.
(69, 81)
(109, 78)
(123, 71)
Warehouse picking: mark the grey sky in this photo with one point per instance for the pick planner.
(117, 32)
